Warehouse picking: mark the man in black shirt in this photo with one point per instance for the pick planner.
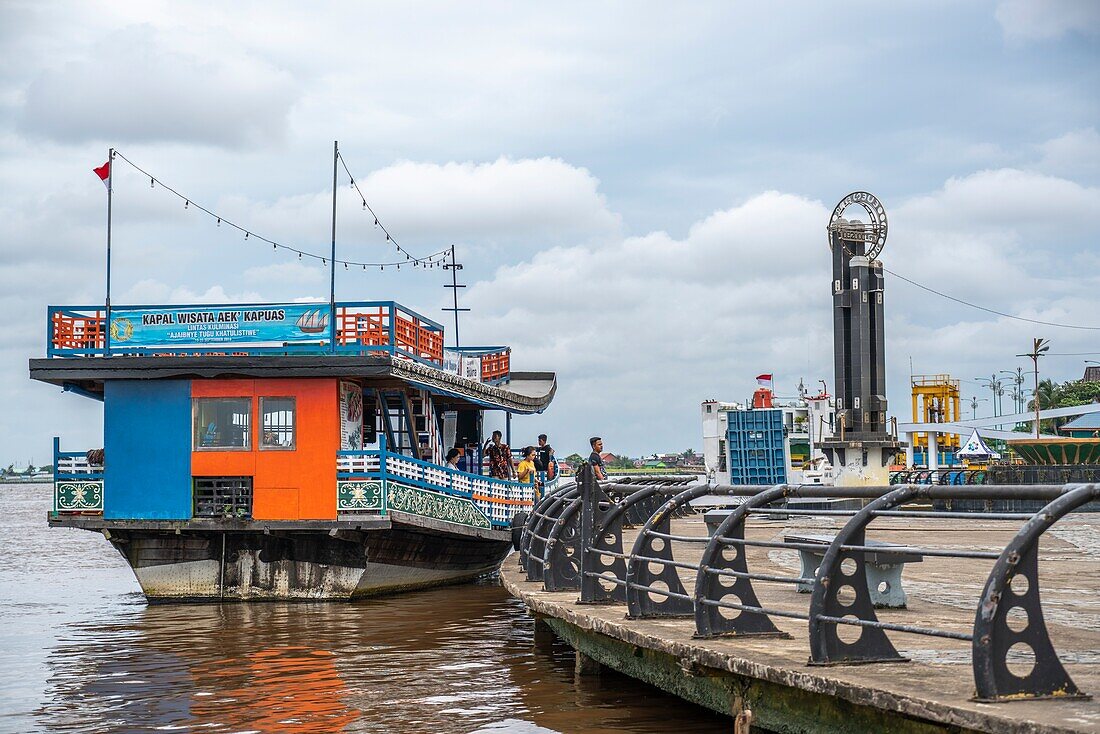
(544, 454)
(595, 459)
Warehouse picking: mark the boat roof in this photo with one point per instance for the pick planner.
(522, 392)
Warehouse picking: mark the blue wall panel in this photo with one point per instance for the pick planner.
(755, 440)
(147, 442)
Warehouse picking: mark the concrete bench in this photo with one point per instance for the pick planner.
(883, 567)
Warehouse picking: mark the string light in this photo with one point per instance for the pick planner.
(277, 245)
(378, 223)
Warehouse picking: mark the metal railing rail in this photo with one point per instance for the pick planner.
(723, 601)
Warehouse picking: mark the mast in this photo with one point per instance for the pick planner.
(332, 259)
(110, 191)
(454, 267)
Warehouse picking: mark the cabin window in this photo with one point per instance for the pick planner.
(222, 424)
(277, 418)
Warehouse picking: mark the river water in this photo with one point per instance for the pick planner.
(81, 651)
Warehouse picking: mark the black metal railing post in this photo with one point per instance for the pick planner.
(994, 637)
(590, 512)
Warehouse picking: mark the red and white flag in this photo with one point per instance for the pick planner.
(764, 379)
(104, 173)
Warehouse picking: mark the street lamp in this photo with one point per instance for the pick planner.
(996, 387)
(1038, 347)
(974, 405)
(1017, 376)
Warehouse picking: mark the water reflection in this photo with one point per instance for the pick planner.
(459, 659)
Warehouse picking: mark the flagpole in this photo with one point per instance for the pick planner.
(110, 190)
(332, 263)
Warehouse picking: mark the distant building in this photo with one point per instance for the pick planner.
(1085, 426)
(1092, 374)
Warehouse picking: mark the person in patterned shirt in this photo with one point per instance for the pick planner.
(500, 458)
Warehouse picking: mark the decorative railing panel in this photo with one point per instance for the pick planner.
(375, 481)
(78, 483)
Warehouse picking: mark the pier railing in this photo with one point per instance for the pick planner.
(574, 540)
(367, 480)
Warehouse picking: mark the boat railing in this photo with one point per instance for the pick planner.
(77, 482)
(361, 327)
(499, 500)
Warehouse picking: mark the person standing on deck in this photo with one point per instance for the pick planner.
(453, 457)
(595, 459)
(544, 457)
(500, 458)
(526, 472)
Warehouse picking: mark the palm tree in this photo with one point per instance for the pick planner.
(1047, 395)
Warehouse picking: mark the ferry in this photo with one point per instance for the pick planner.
(285, 451)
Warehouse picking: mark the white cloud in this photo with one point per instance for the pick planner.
(142, 85)
(1075, 154)
(1040, 20)
(642, 329)
(155, 292)
(293, 274)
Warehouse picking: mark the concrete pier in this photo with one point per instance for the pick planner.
(770, 678)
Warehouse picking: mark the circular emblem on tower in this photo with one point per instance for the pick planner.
(872, 234)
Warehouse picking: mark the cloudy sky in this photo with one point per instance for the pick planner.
(639, 192)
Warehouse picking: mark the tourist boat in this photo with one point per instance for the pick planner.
(248, 454)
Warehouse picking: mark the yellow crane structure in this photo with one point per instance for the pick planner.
(936, 399)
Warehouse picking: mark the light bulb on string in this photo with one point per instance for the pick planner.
(246, 234)
(299, 256)
(345, 266)
(219, 221)
(186, 203)
(151, 182)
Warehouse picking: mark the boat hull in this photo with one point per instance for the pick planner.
(254, 565)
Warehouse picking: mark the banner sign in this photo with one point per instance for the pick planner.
(471, 368)
(351, 416)
(282, 323)
(452, 361)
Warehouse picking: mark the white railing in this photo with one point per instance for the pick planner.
(498, 499)
(73, 464)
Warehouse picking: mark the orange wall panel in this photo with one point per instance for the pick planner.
(222, 388)
(224, 463)
(286, 485)
(273, 503)
(311, 467)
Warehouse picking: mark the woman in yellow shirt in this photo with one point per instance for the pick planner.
(525, 472)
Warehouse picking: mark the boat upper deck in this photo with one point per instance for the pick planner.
(380, 340)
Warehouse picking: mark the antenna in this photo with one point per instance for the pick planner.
(454, 267)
